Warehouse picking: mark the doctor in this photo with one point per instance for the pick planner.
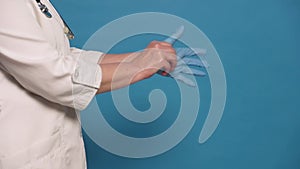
(43, 81)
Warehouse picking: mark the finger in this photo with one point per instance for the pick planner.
(158, 44)
(166, 66)
(171, 58)
(195, 62)
(185, 80)
(194, 72)
(199, 51)
(206, 65)
(162, 46)
(165, 44)
(184, 52)
(169, 49)
(175, 36)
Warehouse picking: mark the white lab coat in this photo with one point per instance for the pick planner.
(42, 82)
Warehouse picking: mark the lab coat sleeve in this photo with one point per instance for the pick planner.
(87, 55)
(39, 67)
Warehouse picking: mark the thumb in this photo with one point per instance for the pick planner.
(175, 36)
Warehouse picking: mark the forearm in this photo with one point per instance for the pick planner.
(116, 58)
(118, 75)
(120, 70)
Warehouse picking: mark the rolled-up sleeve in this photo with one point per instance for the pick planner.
(87, 55)
(86, 79)
(67, 78)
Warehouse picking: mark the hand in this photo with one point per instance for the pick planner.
(137, 66)
(184, 60)
(157, 56)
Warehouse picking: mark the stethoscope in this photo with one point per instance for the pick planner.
(46, 12)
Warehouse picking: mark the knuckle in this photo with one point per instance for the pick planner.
(167, 44)
(153, 42)
(157, 45)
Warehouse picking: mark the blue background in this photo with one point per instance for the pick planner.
(258, 43)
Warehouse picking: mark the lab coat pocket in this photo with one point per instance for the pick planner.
(41, 154)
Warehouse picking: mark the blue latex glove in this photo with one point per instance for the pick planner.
(184, 60)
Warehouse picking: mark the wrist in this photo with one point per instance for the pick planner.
(140, 72)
